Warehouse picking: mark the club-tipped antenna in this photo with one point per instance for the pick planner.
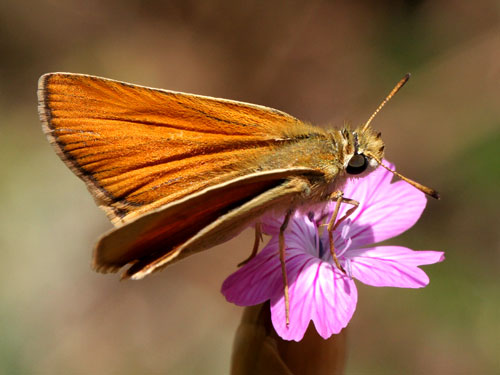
(427, 190)
(396, 88)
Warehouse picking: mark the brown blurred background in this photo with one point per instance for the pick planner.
(323, 61)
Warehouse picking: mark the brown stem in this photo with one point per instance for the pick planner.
(258, 349)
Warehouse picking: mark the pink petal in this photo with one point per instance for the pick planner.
(258, 280)
(320, 294)
(368, 188)
(271, 222)
(396, 209)
(335, 301)
(300, 304)
(261, 278)
(363, 190)
(392, 266)
(386, 209)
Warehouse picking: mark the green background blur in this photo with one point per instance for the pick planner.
(323, 61)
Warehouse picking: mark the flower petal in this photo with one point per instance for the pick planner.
(256, 281)
(300, 304)
(320, 294)
(395, 209)
(271, 222)
(392, 266)
(261, 278)
(367, 189)
(336, 297)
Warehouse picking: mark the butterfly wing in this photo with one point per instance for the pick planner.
(139, 148)
(172, 166)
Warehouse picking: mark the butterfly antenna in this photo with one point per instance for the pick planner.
(427, 190)
(391, 94)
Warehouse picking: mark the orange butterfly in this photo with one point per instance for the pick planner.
(178, 173)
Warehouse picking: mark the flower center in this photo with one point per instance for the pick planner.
(342, 242)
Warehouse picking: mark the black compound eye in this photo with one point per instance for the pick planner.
(357, 164)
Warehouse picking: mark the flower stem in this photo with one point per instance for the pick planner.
(258, 349)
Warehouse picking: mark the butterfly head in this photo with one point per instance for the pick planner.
(364, 152)
(363, 148)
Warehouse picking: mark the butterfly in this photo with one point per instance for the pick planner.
(179, 173)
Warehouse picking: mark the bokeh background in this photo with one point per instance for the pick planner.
(323, 61)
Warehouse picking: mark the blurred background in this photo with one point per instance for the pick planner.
(323, 61)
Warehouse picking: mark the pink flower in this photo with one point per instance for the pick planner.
(319, 291)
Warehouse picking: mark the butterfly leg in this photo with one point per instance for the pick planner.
(257, 241)
(338, 196)
(283, 265)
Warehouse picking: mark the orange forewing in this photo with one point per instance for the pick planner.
(139, 148)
